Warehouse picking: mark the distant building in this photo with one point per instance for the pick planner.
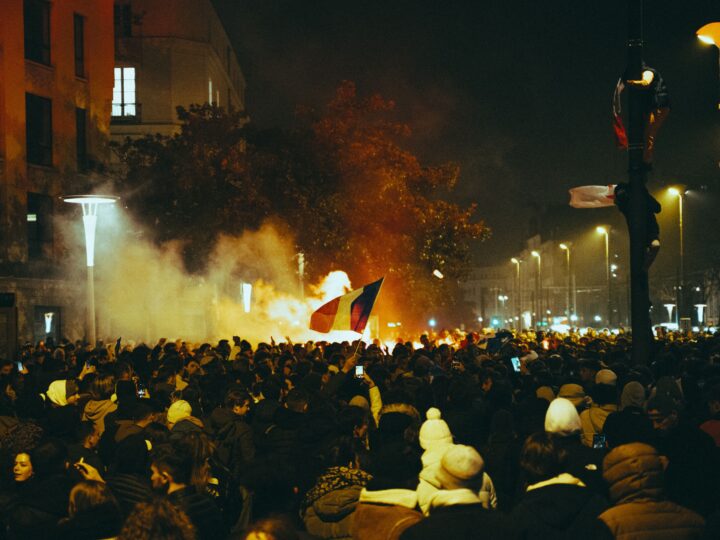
(169, 53)
(56, 84)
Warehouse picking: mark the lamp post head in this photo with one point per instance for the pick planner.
(89, 204)
(535, 253)
(515, 260)
(564, 246)
(601, 230)
(709, 34)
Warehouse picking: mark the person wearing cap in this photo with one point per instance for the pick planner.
(604, 402)
(693, 471)
(456, 510)
(435, 438)
(556, 504)
(631, 422)
(575, 393)
(635, 475)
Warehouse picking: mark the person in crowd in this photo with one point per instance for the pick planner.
(631, 422)
(84, 447)
(100, 404)
(235, 445)
(23, 469)
(388, 503)
(328, 507)
(93, 513)
(158, 519)
(456, 511)
(604, 403)
(712, 425)
(635, 476)
(556, 504)
(129, 473)
(172, 468)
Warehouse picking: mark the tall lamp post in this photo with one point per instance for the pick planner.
(710, 34)
(538, 285)
(680, 194)
(90, 204)
(566, 248)
(604, 231)
(518, 291)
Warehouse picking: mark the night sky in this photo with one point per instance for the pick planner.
(518, 92)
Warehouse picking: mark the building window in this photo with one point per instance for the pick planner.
(36, 17)
(38, 128)
(122, 20)
(39, 226)
(81, 138)
(123, 103)
(79, 45)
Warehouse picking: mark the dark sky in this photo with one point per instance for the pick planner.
(517, 91)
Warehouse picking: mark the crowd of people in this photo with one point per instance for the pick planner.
(511, 436)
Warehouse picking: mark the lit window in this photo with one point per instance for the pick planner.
(123, 103)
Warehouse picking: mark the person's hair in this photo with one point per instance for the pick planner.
(158, 519)
(49, 457)
(102, 387)
(201, 448)
(297, 400)
(271, 390)
(89, 495)
(542, 458)
(271, 529)
(83, 430)
(174, 460)
(235, 398)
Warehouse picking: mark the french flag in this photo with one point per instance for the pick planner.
(350, 311)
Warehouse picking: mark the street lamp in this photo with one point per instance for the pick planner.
(710, 34)
(90, 204)
(538, 283)
(566, 248)
(680, 194)
(604, 231)
(518, 287)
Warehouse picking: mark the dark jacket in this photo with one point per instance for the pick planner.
(634, 473)
(96, 524)
(462, 522)
(202, 511)
(557, 510)
(129, 490)
(236, 449)
(36, 510)
(629, 425)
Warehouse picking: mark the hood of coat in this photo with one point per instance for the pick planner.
(397, 497)
(634, 472)
(95, 410)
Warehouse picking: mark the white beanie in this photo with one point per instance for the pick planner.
(460, 467)
(434, 430)
(562, 418)
(178, 410)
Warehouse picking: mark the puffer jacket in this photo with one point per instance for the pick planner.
(593, 421)
(329, 507)
(635, 476)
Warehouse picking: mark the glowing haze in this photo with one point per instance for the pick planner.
(143, 292)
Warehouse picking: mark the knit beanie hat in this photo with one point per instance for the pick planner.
(178, 410)
(546, 393)
(360, 401)
(633, 395)
(605, 376)
(574, 393)
(434, 430)
(460, 467)
(562, 418)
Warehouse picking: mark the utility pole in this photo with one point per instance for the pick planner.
(638, 208)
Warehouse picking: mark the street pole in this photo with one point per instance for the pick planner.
(518, 292)
(566, 248)
(638, 199)
(607, 278)
(681, 288)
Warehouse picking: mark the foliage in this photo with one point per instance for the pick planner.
(354, 198)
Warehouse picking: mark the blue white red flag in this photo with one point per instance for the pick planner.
(350, 311)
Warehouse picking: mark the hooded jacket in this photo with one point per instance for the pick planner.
(385, 514)
(635, 475)
(96, 411)
(561, 507)
(593, 421)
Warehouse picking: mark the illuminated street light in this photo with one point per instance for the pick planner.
(518, 288)
(669, 308)
(566, 248)
(432, 323)
(90, 204)
(700, 312)
(680, 194)
(604, 231)
(438, 274)
(710, 35)
(538, 282)
(246, 296)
